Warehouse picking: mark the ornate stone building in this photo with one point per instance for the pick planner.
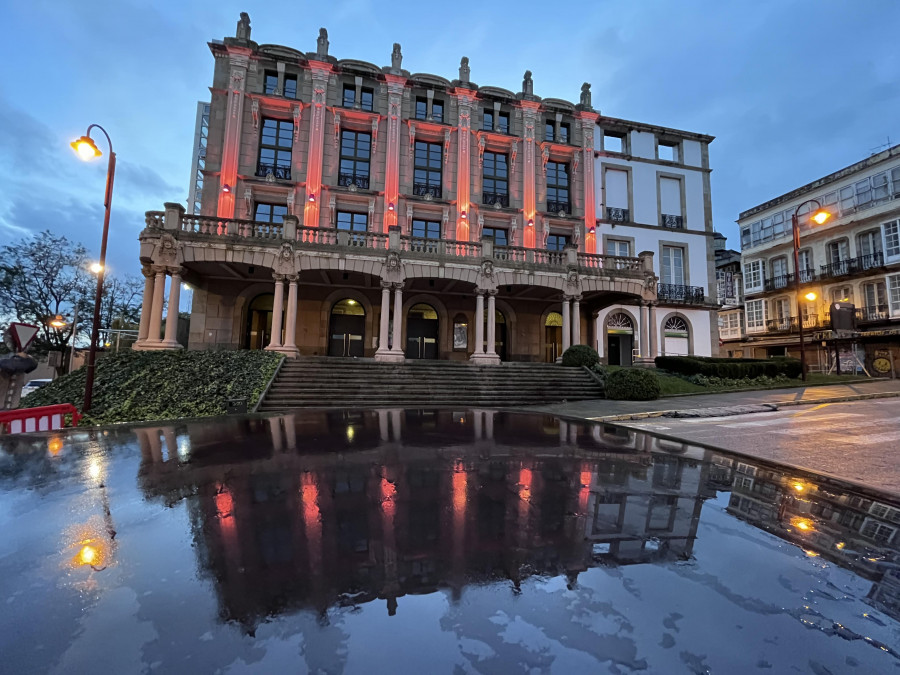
(355, 210)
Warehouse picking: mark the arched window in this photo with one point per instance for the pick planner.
(676, 327)
(553, 319)
(619, 323)
(676, 336)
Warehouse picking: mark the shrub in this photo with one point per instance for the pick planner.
(632, 384)
(580, 355)
(732, 369)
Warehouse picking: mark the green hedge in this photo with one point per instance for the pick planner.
(632, 384)
(734, 369)
(137, 386)
(580, 355)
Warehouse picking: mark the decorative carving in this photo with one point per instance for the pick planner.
(585, 100)
(576, 234)
(337, 129)
(243, 27)
(545, 157)
(446, 145)
(374, 136)
(513, 151)
(480, 227)
(332, 211)
(371, 209)
(545, 232)
(290, 202)
(393, 269)
(319, 96)
(284, 261)
(445, 223)
(573, 285)
(298, 114)
(513, 228)
(576, 158)
(464, 70)
(396, 57)
(529, 129)
(167, 251)
(322, 43)
(248, 203)
(481, 144)
(412, 137)
(487, 269)
(528, 84)
(254, 110)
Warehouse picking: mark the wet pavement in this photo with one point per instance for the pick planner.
(433, 542)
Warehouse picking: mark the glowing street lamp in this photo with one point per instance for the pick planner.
(819, 217)
(88, 150)
(58, 321)
(96, 268)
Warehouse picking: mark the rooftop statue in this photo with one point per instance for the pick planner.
(528, 84)
(243, 27)
(396, 57)
(464, 71)
(322, 43)
(586, 95)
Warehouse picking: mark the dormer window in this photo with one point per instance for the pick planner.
(365, 100)
(496, 121)
(668, 151)
(290, 86)
(270, 82)
(556, 132)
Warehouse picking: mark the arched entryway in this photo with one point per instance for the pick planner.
(553, 337)
(258, 328)
(676, 334)
(347, 328)
(501, 338)
(422, 332)
(619, 339)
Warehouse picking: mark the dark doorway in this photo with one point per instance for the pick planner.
(422, 330)
(258, 331)
(500, 339)
(553, 337)
(619, 348)
(347, 333)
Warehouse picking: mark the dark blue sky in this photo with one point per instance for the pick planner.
(791, 90)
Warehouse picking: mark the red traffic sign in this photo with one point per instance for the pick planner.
(22, 334)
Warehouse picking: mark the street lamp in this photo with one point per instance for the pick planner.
(88, 150)
(819, 216)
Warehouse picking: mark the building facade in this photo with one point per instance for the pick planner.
(354, 210)
(730, 298)
(854, 257)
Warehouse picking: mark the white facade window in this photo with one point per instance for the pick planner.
(670, 196)
(869, 243)
(875, 295)
(877, 531)
(894, 291)
(781, 308)
(892, 238)
(756, 315)
(838, 251)
(667, 151)
(730, 325)
(754, 274)
(616, 188)
(846, 197)
(842, 294)
(618, 247)
(673, 265)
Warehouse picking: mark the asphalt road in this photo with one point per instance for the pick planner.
(859, 440)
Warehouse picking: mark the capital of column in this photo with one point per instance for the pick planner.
(159, 269)
(387, 285)
(278, 277)
(398, 285)
(292, 278)
(175, 271)
(147, 271)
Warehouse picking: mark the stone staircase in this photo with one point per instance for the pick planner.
(336, 382)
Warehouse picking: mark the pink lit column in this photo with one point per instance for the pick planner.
(395, 86)
(320, 73)
(234, 118)
(588, 121)
(531, 119)
(465, 102)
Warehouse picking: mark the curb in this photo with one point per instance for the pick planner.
(764, 407)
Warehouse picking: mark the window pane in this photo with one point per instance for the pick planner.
(892, 238)
(271, 83)
(437, 111)
(290, 86)
(367, 98)
(421, 108)
(349, 96)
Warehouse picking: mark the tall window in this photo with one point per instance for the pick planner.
(892, 238)
(838, 251)
(556, 242)
(869, 243)
(427, 170)
(876, 294)
(356, 149)
(275, 145)
(551, 135)
(487, 123)
(842, 294)
(366, 98)
(670, 203)
(497, 234)
(616, 195)
(617, 247)
(353, 222)
(806, 265)
(270, 83)
(495, 188)
(558, 188)
(894, 290)
(755, 314)
(290, 86)
(502, 121)
(421, 108)
(754, 274)
(779, 272)
(426, 229)
(781, 308)
(549, 131)
(269, 213)
(673, 265)
(437, 110)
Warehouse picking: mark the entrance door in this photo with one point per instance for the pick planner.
(619, 349)
(346, 336)
(422, 330)
(500, 342)
(553, 337)
(259, 322)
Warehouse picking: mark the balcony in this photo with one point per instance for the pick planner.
(672, 222)
(779, 282)
(276, 171)
(690, 295)
(427, 190)
(617, 215)
(559, 207)
(790, 324)
(872, 313)
(352, 180)
(495, 198)
(853, 265)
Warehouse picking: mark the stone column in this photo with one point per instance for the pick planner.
(465, 100)
(588, 120)
(654, 333)
(645, 330)
(277, 311)
(491, 325)
(531, 120)
(576, 320)
(239, 61)
(479, 322)
(320, 72)
(384, 353)
(146, 304)
(397, 347)
(567, 326)
(171, 339)
(290, 333)
(395, 86)
(159, 289)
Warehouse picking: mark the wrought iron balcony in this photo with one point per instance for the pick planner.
(678, 293)
(427, 190)
(790, 324)
(872, 313)
(779, 282)
(559, 207)
(807, 276)
(277, 172)
(495, 198)
(672, 222)
(351, 179)
(618, 215)
(853, 265)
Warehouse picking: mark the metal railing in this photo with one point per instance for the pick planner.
(853, 265)
(263, 170)
(618, 215)
(495, 198)
(672, 222)
(790, 324)
(557, 207)
(778, 282)
(427, 190)
(873, 313)
(348, 179)
(679, 293)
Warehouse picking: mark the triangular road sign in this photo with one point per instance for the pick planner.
(22, 334)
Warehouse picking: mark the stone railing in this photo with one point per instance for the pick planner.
(234, 230)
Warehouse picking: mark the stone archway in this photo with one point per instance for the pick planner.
(620, 333)
(677, 335)
(324, 328)
(347, 328)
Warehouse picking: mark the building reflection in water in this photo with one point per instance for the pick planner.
(317, 509)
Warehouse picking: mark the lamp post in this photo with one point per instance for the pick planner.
(819, 217)
(88, 150)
